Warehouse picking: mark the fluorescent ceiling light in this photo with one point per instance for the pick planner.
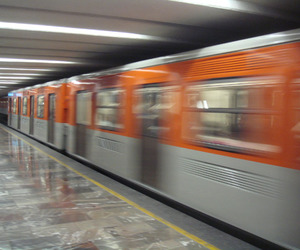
(20, 74)
(15, 77)
(222, 4)
(70, 30)
(242, 6)
(3, 59)
(9, 82)
(4, 81)
(26, 69)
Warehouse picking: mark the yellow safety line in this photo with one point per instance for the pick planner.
(178, 229)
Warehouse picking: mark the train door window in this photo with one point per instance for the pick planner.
(19, 112)
(83, 108)
(52, 106)
(109, 110)
(19, 105)
(233, 115)
(31, 112)
(14, 109)
(154, 106)
(40, 106)
(25, 106)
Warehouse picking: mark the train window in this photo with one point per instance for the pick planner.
(25, 106)
(155, 108)
(14, 108)
(296, 106)
(233, 116)
(295, 149)
(109, 110)
(40, 106)
(83, 108)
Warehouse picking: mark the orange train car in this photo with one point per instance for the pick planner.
(14, 111)
(216, 129)
(40, 111)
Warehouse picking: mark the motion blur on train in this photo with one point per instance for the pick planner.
(216, 129)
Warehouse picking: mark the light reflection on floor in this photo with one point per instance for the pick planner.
(43, 205)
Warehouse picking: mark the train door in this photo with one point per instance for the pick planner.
(83, 112)
(150, 119)
(51, 118)
(31, 115)
(19, 112)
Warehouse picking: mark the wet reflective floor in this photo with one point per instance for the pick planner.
(44, 205)
(49, 201)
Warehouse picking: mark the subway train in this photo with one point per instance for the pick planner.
(216, 129)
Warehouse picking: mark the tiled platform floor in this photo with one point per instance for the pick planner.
(44, 205)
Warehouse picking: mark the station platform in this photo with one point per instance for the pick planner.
(50, 201)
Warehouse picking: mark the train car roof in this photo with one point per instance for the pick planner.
(249, 43)
(51, 83)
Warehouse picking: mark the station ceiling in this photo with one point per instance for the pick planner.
(45, 40)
